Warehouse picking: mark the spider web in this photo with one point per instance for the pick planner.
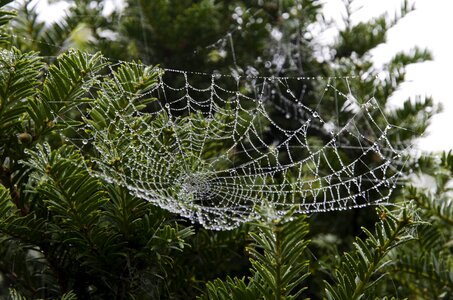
(220, 149)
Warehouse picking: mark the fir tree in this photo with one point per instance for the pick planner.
(66, 234)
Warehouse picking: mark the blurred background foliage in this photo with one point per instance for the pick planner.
(66, 235)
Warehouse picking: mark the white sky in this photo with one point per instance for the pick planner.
(429, 26)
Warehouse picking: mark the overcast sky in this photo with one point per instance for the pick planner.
(429, 26)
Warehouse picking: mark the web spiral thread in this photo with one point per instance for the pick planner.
(217, 149)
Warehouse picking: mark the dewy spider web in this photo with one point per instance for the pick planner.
(217, 149)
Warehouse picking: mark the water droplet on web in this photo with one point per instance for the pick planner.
(315, 114)
(217, 75)
(287, 116)
(84, 141)
(268, 64)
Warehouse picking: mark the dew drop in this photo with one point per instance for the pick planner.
(217, 75)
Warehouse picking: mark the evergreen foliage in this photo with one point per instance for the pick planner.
(66, 234)
(424, 267)
(278, 263)
(73, 224)
(361, 270)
